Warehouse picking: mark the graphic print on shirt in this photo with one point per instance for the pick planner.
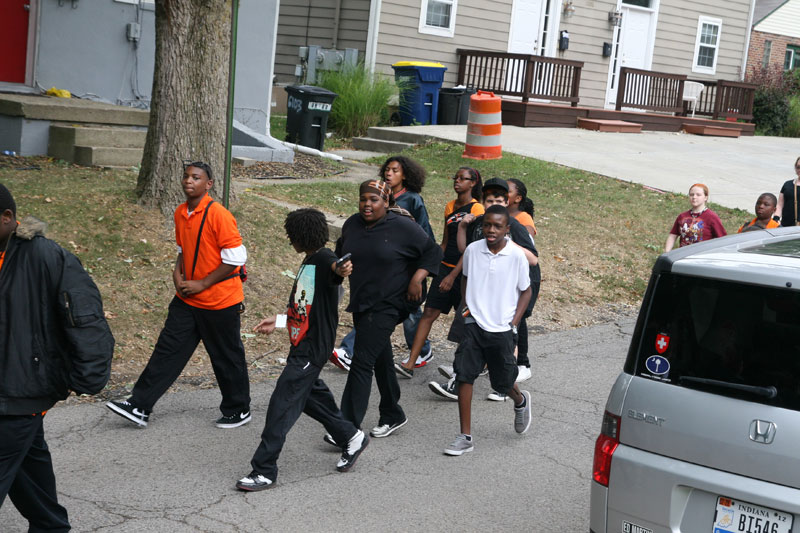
(691, 231)
(300, 302)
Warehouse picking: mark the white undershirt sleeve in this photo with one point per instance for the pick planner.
(180, 250)
(234, 256)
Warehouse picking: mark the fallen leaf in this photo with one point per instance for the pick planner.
(48, 200)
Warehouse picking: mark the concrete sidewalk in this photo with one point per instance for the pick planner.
(178, 475)
(735, 170)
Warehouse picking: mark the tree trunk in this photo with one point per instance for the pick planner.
(189, 99)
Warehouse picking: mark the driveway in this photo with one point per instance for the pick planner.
(736, 171)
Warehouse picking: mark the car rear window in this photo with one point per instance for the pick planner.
(723, 337)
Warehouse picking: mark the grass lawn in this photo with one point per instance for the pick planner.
(598, 237)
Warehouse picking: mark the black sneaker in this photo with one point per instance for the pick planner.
(384, 430)
(234, 421)
(254, 481)
(354, 447)
(447, 390)
(328, 438)
(403, 371)
(126, 410)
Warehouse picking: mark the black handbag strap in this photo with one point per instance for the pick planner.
(199, 234)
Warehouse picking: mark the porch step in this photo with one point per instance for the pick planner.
(713, 131)
(618, 126)
(107, 156)
(394, 134)
(96, 145)
(379, 145)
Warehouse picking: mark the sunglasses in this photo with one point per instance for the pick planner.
(198, 164)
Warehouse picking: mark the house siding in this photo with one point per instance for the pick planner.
(302, 24)
(476, 27)
(673, 49)
(755, 59)
(783, 21)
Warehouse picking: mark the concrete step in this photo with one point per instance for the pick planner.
(106, 156)
(64, 137)
(379, 145)
(35, 107)
(394, 134)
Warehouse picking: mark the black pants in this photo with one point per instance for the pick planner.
(26, 473)
(373, 352)
(185, 327)
(522, 329)
(298, 390)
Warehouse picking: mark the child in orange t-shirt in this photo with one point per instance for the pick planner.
(206, 306)
(765, 209)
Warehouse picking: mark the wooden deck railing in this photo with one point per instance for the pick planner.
(524, 75)
(650, 90)
(734, 100)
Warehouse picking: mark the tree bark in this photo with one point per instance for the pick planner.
(189, 98)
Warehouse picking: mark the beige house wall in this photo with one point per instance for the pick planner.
(783, 21)
(307, 22)
(479, 25)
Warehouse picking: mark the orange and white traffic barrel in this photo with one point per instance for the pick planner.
(483, 127)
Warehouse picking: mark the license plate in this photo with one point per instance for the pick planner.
(736, 516)
(319, 106)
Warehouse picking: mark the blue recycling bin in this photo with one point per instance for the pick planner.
(419, 83)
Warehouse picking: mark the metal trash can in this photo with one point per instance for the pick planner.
(454, 104)
(419, 83)
(307, 111)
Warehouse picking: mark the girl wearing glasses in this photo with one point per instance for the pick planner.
(445, 292)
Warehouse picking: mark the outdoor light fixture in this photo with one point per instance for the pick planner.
(569, 9)
(615, 17)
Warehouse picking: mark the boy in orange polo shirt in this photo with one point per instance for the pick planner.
(207, 307)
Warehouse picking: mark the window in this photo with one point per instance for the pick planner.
(792, 58)
(706, 45)
(767, 52)
(640, 3)
(438, 17)
(728, 338)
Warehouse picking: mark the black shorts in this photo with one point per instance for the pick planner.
(495, 350)
(444, 301)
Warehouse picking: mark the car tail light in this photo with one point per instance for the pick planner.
(604, 448)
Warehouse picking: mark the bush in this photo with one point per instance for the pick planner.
(792, 128)
(771, 101)
(362, 101)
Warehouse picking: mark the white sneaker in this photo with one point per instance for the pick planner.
(496, 396)
(446, 371)
(341, 359)
(524, 373)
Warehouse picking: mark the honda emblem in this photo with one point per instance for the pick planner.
(762, 431)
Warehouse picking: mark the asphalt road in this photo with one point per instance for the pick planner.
(178, 475)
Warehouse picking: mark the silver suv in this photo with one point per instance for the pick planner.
(701, 432)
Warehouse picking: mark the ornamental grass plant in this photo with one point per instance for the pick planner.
(362, 100)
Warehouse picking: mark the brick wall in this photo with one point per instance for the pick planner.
(755, 57)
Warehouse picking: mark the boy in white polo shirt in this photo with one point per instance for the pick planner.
(496, 289)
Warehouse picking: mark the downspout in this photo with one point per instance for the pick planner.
(747, 39)
(372, 34)
(226, 186)
(336, 21)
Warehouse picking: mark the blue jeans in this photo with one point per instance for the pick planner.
(409, 330)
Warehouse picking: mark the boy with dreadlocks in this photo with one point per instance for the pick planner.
(312, 317)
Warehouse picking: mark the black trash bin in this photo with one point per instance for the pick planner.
(307, 113)
(454, 104)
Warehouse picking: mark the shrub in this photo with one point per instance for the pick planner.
(771, 101)
(362, 101)
(792, 128)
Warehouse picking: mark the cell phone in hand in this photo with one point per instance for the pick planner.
(342, 260)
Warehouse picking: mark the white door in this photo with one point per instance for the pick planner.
(633, 46)
(524, 37)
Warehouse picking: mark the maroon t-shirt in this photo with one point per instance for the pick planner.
(694, 228)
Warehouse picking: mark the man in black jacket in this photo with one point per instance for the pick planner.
(53, 339)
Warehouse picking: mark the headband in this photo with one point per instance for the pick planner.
(381, 188)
